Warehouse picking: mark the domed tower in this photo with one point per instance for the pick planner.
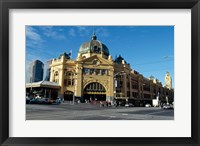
(120, 60)
(66, 56)
(93, 47)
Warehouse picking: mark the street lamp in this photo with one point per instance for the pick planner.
(115, 81)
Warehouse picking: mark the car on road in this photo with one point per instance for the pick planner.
(147, 105)
(28, 99)
(168, 106)
(39, 101)
(122, 103)
(44, 101)
(56, 101)
(129, 105)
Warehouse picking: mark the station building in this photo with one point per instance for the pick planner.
(95, 75)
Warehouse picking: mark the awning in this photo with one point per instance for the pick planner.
(46, 84)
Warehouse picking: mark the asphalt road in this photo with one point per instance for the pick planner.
(84, 111)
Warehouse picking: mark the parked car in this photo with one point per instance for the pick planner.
(129, 105)
(34, 101)
(45, 101)
(168, 106)
(147, 105)
(28, 100)
(59, 100)
(55, 101)
(122, 103)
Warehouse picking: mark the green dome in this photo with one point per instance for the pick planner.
(119, 59)
(94, 46)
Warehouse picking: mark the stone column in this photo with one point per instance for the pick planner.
(79, 81)
(110, 92)
(125, 85)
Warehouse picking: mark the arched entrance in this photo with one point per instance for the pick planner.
(68, 95)
(94, 91)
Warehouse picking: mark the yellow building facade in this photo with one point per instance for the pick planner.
(94, 75)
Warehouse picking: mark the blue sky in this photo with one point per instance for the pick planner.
(148, 49)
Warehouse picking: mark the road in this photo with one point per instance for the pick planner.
(84, 111)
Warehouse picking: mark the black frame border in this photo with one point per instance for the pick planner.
(5, 5)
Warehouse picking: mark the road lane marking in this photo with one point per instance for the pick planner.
(124, 114)
(108, 116)
(156, 112)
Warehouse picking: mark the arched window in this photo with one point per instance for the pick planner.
(69, 78)
(56, 73)
(94, 87)
(68, 73)
(56, 77)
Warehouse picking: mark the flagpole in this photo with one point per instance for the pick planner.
(71, 53)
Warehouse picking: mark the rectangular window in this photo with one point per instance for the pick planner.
(128, 85)
(146, 87)
(128, 93)
(65, 82)
(103, 71)
(85, 70)
(154, 90)
(134, 85)
(135, 94)
(97, 71)
(69, 82)
(91, 71)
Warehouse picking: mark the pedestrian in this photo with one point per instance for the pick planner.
(107, 103)
(101, 104)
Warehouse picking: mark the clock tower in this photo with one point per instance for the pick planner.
(168, 81)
